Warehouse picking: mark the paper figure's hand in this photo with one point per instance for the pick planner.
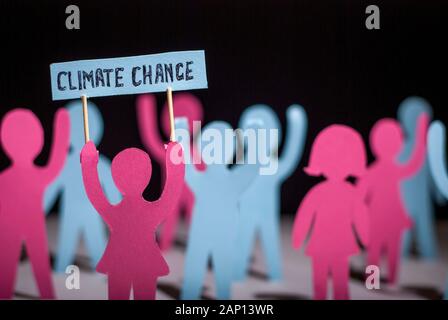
(293, 112)
(175, 152)
(89, 153)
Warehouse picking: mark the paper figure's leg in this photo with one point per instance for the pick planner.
(445, 297)
(145, 288)
(340, 275)
(189, 206)
(119, 287)
(426, 235)
(168, 229)
(374, 254)
(95, 236)
(223, 263)
(37, 248)
(407, 243)
(246, 239)
(10, 254)
(68, 240)
(320, 278)
(195, 267)
(270, 240)
(393, 256)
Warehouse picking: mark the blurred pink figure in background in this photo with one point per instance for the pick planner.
(381, 184)
(22, 187)
(332, 209)
(132, 259)
(185, 105)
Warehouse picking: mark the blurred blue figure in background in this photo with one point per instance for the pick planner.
(76, 214)
(418, 192)
(215, 219)
(260, 203)
(437, 162)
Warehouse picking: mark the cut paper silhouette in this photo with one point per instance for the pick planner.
(388, 216)
(186, 105)
(132, 259)
(215, 220)
(437, 162)
(76, 214)
(260, 203)
(333, 209)
(418, 192)
(22, 187)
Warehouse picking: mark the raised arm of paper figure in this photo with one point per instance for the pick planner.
(174, 183)
(418, 155)
(437, 156)
(107, 182)
(192, 174)
(52, 192)
(148, 127)
(294, 141)
(60, 146)
(94, 191)
(304, 218)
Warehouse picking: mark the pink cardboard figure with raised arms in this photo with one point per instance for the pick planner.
(132, 258)
(22, 187)
(187, 105)
(381, 184)
(333, 209)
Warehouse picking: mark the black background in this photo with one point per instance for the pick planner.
(315, 53)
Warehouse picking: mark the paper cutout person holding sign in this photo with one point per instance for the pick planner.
(437, 162)
(187, 106)
(215, 219)
(418, 192)
(22, 187)
(132, 258)
(332, 208)
(77, 215)
(388, 217)
(260, 203)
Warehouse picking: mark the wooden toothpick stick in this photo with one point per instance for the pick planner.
(169, 94)
(85, 114)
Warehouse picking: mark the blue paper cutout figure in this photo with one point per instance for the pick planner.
(76, 214)
(418, 192)
(260, 203)
(215, 219)
(437, 162)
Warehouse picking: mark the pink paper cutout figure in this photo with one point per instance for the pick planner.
(332, 208)
(22, 187)
(132, 258)
(186, 105)
(381, 184)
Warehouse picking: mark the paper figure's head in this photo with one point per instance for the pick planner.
(22, 136)
(184, 105)
(261, 116)
(386, 139)
(131, 171)
(217, 145)
(337, 153)
(410, 110)
(77, 124)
